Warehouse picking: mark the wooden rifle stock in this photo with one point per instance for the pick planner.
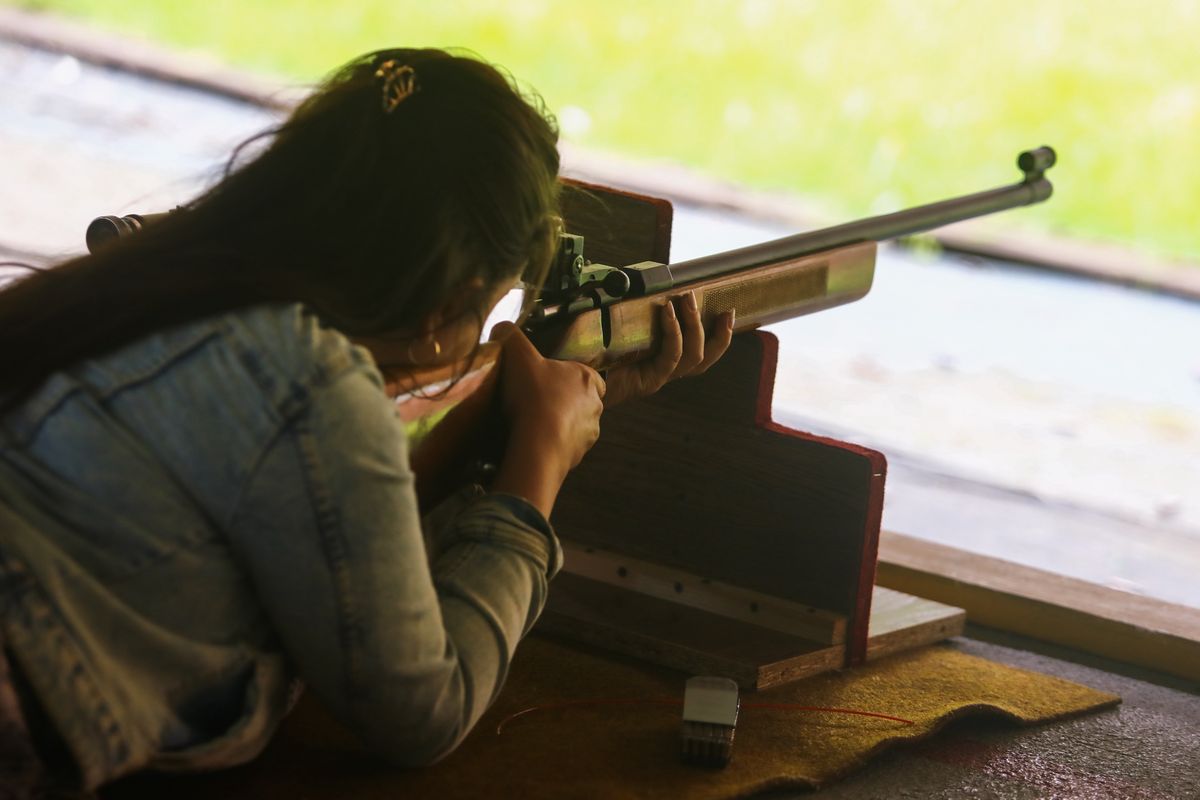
(628, 331)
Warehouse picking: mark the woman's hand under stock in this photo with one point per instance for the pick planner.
(685, 350)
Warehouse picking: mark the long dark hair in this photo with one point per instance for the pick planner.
(371, 218)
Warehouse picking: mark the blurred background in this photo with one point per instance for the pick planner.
(1046, 411)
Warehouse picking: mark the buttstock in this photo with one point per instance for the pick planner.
(423, 392)
(453, 425)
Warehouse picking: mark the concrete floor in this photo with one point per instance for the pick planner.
(1148, 747)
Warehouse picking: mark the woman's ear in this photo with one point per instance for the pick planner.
(466, 302)
(431, 322)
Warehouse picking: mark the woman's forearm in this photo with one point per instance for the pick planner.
(531, 470)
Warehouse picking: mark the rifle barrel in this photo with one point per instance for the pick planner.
(1034, 189)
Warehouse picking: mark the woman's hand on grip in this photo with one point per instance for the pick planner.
(553, 408)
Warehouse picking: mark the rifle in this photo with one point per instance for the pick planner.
(606, 316)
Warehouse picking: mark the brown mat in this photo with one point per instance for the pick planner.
(631, 751)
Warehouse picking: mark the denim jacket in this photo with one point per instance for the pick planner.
(192, 521)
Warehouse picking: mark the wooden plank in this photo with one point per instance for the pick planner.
(702, 643)
(1047, 606)
(774, 292)
(704, 593)
(901, 622)
(674, 635)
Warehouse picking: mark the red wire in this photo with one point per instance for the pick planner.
(635, 701)
(797, 707)
(577, 703)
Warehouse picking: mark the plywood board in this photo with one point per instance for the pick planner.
(702, 643)
(619, 228)
(699, 478)
(681, 637)
(902, 621)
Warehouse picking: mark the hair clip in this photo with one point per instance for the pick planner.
(399, 83)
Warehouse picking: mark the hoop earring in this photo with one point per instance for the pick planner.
(429, 340)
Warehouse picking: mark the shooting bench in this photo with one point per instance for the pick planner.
(701, 535)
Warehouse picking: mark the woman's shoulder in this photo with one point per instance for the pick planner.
(277, 343)
(293, 339)
(279, 353)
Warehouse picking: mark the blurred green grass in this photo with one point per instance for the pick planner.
(861, 106)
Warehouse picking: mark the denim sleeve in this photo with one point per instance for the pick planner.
(407, 653)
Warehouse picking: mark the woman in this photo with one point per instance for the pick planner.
(204, 491)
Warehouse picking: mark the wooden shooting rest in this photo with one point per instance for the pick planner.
(701, 535)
